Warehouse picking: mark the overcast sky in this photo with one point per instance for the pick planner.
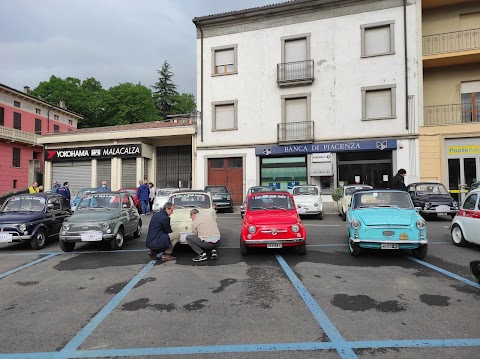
(114, 41)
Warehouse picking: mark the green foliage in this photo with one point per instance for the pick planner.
(337, 194)
(184, 103)
(165, 92)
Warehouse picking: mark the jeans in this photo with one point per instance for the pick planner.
(200, 246)
(145, 207)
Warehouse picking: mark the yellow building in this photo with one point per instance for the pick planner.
(450, 133)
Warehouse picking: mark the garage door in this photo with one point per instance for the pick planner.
(129, 172)
(104, 171)
(78, 174)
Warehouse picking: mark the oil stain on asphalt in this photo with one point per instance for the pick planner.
(362, 303)
(143, 303)
(435, 300)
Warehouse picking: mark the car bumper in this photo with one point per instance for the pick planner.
(223, 205)
(377, 243)
(433, 211)
(22, 238)
(287, 242)
(78, 238)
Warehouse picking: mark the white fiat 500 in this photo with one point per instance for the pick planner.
(308, 200)
(162, 197)
(466, 224)
(344, 201)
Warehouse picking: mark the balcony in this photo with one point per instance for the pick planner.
(14, 135)
(451, 114)
(451, 48)
(295, 73)
(295, 132)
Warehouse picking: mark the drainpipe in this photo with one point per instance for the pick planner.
(201, 82)
(406, 59)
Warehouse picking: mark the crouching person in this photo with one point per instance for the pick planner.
(205, 237)
(160, 237)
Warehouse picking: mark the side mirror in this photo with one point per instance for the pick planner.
(418, 209)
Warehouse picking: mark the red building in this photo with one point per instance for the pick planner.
(22, 119)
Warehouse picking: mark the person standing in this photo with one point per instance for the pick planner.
(104, 187)
(55, 186)
(40, 188)
(65, 191)
(143, 193)
(33, 188)
(397, 181)
(160, 237)
(152, 195)
(206, 235)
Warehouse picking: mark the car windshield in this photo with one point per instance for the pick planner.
(216, 189)
(27, 204)
(270, 201)
(165, 192)
(258, 189)
(83, 192)
(382, 199)
(191, 200)
(129, 191)
(92, 201)
(351, 190)
(431, 188)
(300, 191)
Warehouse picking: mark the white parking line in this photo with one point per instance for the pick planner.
(321, 225)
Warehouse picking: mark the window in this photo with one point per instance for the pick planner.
(295, 48)
(38, 126)
(17, 120)
(70, 122)
(35, 155)
(16, 103)
(296, 108)
(14, 183)
(56, 128)
(38, 111)
(55, 117)
(224, 115)
(16, 157)
(224, 60)
(2, 116)
(470, 97)
(378, 39)
(470, 202)
(378, 102)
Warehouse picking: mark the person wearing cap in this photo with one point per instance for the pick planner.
(55, 186)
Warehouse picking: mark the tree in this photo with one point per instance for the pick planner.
(184, 103)
(165, 92)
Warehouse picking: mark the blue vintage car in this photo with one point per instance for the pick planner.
(385, 219)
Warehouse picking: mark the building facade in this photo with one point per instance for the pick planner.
(450, 132)
(317, 91)
(23, 118)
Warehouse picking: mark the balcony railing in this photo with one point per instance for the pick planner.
(452, 114)
(292, 73)
(451, 42)
(14, 135)
(295, 131)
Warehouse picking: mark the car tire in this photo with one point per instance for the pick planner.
(117, 242)
(39, 240)
(243, 248)
(320, 216)
(230, 210)
(302, 249)
(354, 248)
(344, 216)
(420, 252)
(67, 246)
(457, 236)
(138, 232)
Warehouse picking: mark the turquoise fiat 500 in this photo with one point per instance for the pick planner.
(385, 219)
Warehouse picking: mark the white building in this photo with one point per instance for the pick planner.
(309, 91)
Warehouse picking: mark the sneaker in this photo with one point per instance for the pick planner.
(214, 254)
(202, 257)
(168, 257)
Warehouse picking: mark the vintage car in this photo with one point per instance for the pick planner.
(251, 190)
(79, 195)
(474, 185)
(221, 197)
(162, 197)
(344, 201)
(433, 199)
(184, 202)
(308, 199)
(133, 192)
(101, 216)
(33, 218)
(465, 226)
(385, 219)
(272, 221)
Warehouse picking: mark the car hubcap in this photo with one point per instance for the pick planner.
(456, 235)
(139, 229)
(120, 239)
(40, 239)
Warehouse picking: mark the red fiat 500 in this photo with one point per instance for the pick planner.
(271, 221)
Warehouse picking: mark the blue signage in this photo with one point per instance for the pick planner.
(343, 146)
(274, 185)
(291, 184)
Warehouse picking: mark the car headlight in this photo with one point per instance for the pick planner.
(355, 224)
(315, 204)
(295, 228)
(22, 227)
(66, 226)
(252, 229)
(421, 224)
(105, 225)
(455, 204)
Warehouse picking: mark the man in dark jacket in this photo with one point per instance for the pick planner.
(160, 237)
(65, 191)
(397, 181)
(143, 194)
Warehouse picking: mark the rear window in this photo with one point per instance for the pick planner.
(192, 200)
(351, 190)
(216, 189)
(270, 201)
(298, 191)
(99, 201)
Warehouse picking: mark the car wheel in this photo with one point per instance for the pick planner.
(39, 240)
(243, 248)
(420, 252)
(302, 249)
(67, 246)
(138, 232)
(354, 248)
(320, 216)
(117, 242)
(344, 216)
(457, 236)
(230, 210)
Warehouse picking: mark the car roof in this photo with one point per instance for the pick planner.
(357, 185)
(270, 193)
(416, 183)
(191, 191)
(305, 185)
(476, 190)
(40, 195)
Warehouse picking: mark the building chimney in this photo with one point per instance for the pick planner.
(26, 89)
(62, 103)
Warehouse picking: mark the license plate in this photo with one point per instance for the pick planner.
(389, 246)
(91, 236)
(441, 214)
(441, 209)
(301, 210)
(404, 236)
(274, 245)
(5, 237)
(216, 198)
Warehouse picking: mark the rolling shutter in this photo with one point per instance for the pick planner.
(104, 171)
(296, 110)
(78, 174)
(296, 50)
(129, 173)
(377, 40)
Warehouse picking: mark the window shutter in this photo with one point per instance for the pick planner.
(296, 110)
(377, 40)
(224, 117)
(296, 50)
(378, 103)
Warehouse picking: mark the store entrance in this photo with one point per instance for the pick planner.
(371, 168)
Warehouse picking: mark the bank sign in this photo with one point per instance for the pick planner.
(86, 153)
(344, 146)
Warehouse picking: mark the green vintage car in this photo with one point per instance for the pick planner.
(102, 216)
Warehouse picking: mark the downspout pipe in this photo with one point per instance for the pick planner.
(199, 27)
(406, 62)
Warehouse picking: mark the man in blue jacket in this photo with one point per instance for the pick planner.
(143, 194)
(65, 191)
(160, 237)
